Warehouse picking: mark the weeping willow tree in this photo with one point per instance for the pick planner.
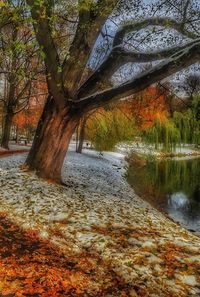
(182, 128)
(188, 126)
(107, 128)
(163, 135)
(188, 123)
(196, 107)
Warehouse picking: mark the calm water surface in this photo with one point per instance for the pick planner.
(172, 186)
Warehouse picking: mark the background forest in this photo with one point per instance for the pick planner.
(158, 116)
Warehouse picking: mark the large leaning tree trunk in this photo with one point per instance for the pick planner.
(51, 140)
(69, 98)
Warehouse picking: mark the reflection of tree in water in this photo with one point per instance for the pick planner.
(171, 176)
(171, 185)
(180, 181)
(196, 195)
(178, 201)
(183, 208)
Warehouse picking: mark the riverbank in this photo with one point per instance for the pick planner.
(98, 214)
(186, 151)
(171, 185)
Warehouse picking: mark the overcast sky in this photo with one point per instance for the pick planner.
(137, 10)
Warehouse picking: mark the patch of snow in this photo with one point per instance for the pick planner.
(142, 148)
(149, 245)
(189, 280)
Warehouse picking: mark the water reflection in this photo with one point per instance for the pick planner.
(178, 201)
(196, 194)
(171, 185)
(184, 210)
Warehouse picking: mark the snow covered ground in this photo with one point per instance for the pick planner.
(142, 148)
(16, 147)
(98, 212)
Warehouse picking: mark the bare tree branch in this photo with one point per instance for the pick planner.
(89, 26)
(42, 27)
(156, 21)
(119, 57)
(173, 64)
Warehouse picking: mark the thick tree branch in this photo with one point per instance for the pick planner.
(26, 87)
(22, 107)
(185, 12)
(91, 19)
(119, 57)
(175, 63)
(40, 14)
(6, 16)
(156, 21)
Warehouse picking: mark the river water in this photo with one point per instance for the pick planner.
(172, 186)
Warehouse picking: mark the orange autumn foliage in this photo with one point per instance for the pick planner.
(146, 106)
(29, 116)
(30, 266)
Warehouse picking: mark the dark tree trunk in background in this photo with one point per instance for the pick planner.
(81, 135)
(7, 123)
(51, 141)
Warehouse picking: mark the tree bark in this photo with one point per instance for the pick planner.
(81, 136)
(51, 141)
(7, 123)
